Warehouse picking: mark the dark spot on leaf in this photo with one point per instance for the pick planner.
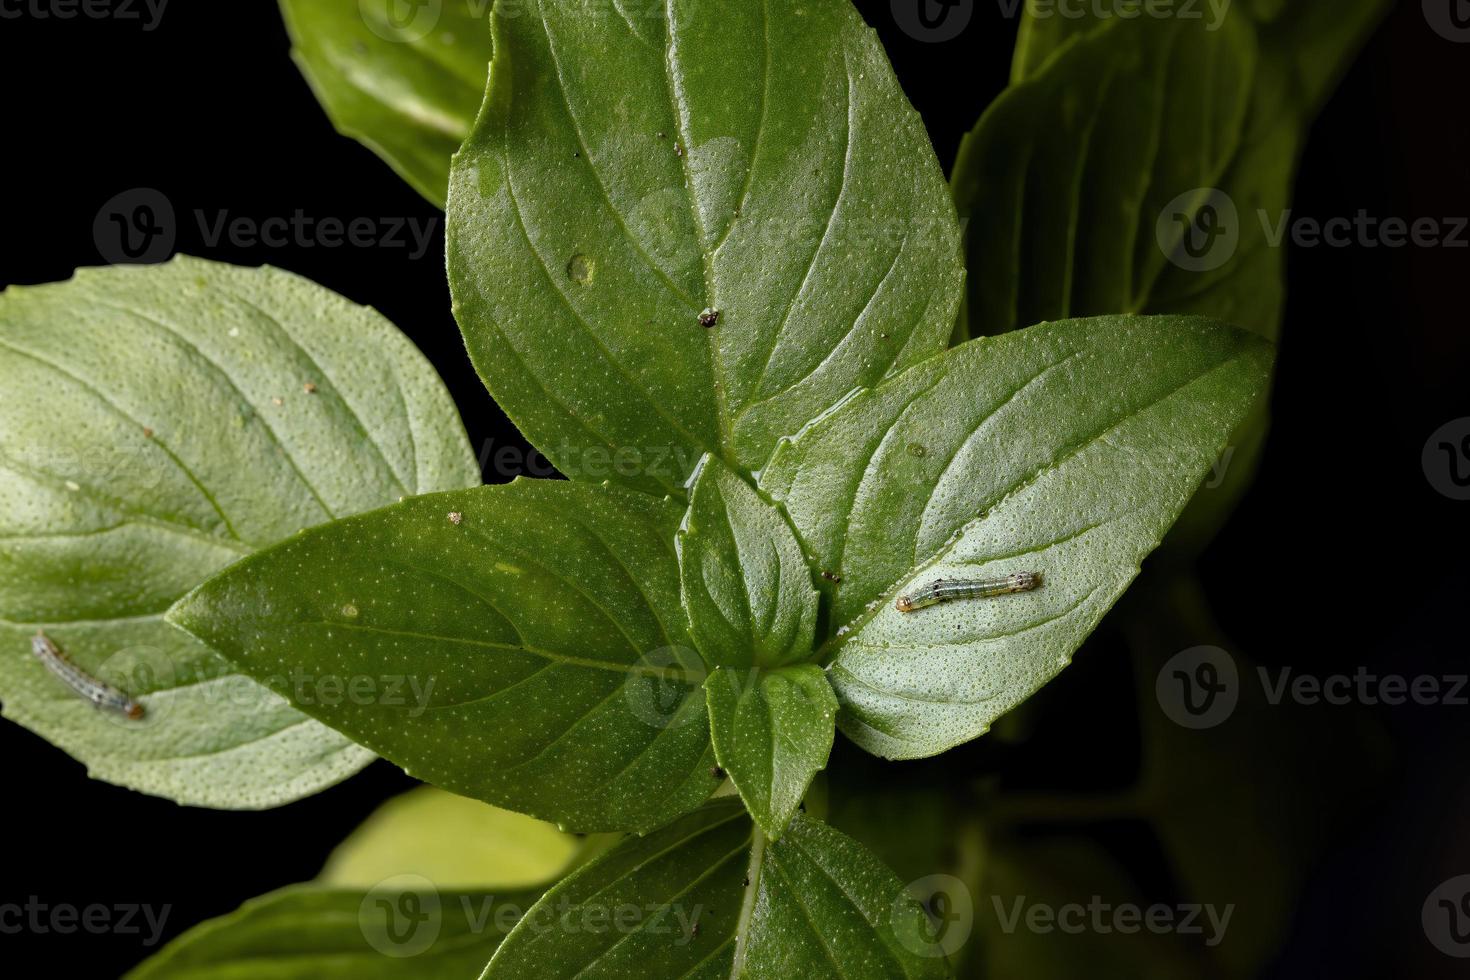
(717, 772)
(831, 576)
(581, 269)
(709, 317)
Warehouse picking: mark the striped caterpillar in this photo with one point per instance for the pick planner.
(101, 694)
(941, 590)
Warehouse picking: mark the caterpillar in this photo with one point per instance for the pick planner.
(101, 694)
(941, 590)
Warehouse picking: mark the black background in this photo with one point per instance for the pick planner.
(1342, 555)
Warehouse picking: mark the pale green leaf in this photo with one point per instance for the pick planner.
(457, 843)
(156, 424)
(1066, 449)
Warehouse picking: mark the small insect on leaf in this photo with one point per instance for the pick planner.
(950, 590)
(101, 694)
(709, 317)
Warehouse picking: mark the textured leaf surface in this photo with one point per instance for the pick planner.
(156, 425)
(404, 79)
(715, 899)
(1066, 449)
(633, 169)
(746, 584)
(529, 651)
(1066, 175)
(1112, 127)
(772, 732)
(307, 933)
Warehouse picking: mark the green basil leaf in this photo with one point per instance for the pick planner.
(631, 171)
(404, 927)
(405, 80)
(709, 896)
(523, 645)
(1066, 174)
(1309, 43)
(746, 584)
(1066, 449)
(156, 424)
(772, 731)
(457, 843)
(1195, 124)
(1145, 165)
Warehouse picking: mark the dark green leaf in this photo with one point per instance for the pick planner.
(746, 584)
(708, 896)
(403, 928)
(633, 169)
(1066, 449)
(1116, 137)
(407, 87)
(1080, 180)
(1066, 175)
(156, 425)
(772, 732)
(523, 645)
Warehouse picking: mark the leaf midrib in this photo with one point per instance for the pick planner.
(833, 646)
